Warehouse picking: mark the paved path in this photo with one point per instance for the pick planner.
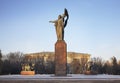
(74, 78)
(52, 77)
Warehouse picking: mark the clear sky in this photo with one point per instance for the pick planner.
(93, 26)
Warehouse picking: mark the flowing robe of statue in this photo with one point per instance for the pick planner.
(60, 25)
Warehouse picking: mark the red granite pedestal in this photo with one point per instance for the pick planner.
(60, 58)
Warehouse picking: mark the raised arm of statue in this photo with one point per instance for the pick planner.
(63, 15)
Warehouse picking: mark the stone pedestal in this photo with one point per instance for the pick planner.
(27, 72)
(60, 58)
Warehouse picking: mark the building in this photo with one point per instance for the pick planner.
(49, 56)
(75, 61)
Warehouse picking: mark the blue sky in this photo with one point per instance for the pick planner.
(93, 26)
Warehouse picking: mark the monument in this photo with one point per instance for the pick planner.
(60, 45)
(60, 65)
(90, 68)
(27, 69)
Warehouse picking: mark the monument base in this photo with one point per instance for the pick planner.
(27, 72)
(90, 73)
(60, 58)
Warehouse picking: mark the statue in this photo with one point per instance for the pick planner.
(90, 68)
(27, 69)
(60, 24)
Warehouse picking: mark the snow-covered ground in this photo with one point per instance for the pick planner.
(68, 77)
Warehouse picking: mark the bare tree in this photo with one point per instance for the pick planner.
(114, 65)
(12, 65)
(98, 64)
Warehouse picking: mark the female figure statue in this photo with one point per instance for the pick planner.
(60, 24)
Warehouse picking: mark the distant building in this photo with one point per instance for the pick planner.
(49, 56)
(75, 61)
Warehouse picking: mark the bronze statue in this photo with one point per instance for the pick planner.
(60, 24)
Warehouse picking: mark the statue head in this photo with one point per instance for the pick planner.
(59, 16)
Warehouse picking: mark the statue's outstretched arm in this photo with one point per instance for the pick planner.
(53, 21)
